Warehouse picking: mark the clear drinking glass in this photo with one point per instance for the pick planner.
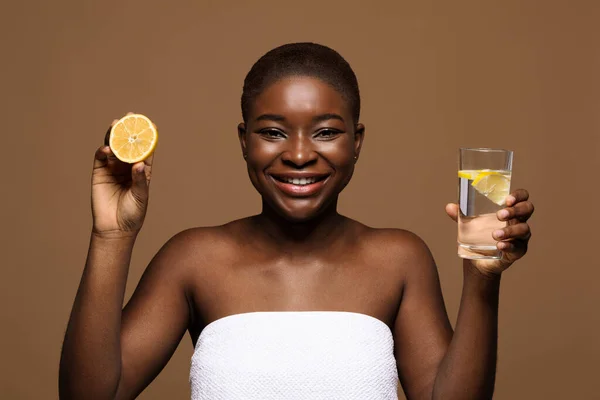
(483, 184)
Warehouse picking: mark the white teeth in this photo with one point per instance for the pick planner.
(301, 181)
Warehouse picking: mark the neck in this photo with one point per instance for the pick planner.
(317, 232)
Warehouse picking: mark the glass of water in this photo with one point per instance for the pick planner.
(483, 184)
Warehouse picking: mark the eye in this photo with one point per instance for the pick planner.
(272, 133)
(327, 133)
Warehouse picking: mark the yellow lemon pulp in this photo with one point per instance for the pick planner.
(133, 138)
(467, 174)
(495, 185)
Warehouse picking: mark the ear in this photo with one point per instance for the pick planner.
(242, 138)
(359, 137)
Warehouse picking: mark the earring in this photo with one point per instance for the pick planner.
(245, 156)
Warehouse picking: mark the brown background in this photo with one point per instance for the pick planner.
(434, 76)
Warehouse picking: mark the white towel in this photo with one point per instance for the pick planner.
(300, 355)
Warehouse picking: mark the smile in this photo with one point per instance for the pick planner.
(305, 185)
(298, 181)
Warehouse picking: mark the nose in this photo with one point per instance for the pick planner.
(300, 151)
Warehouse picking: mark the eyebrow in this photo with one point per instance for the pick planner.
(325, 117)
(271, 117)
(318, 118)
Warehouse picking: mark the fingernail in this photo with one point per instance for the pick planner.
(499, 234)
(503, 214)
(510, 199)
(502, 245)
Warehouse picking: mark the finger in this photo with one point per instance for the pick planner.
(116, 166)
(139, 188)
(101, 157)
(517, 196)
(511, 232)
(148, 167)
(107, 135)
(138, 168)
(111, 156)
(506, 247)
(513, 250)
(521, 211)
(452, 211)
(149, 160)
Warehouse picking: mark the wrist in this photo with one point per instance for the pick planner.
(114, 236)
(470, 270)
(476, 281)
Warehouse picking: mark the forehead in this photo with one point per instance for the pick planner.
(300, 95)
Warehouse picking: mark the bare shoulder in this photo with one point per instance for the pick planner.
(401, 243)
(186, 250)
(403, 253)
(186, 246)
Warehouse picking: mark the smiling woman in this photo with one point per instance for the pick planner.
(299, 301)
(300, 143)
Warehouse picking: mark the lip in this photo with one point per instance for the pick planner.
(299, 190)
(299, 175)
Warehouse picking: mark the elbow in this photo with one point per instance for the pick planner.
(75, 384)
(462, 393)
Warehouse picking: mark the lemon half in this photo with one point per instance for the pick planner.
(133, 138)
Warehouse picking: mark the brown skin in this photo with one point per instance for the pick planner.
(298, 254)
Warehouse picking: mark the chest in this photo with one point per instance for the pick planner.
(352, 281)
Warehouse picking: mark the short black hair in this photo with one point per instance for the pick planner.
(302, 59)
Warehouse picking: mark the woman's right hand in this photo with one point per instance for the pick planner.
(119, 193)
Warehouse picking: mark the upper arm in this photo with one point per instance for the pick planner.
(156, 317)
(422, 331)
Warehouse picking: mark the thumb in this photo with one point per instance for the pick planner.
(139, 187)
(452, 211)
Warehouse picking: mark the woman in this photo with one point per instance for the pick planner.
(298, 301)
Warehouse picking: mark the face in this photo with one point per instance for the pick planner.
(300, 143)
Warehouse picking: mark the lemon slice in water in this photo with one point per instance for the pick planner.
(468, 174)
(494, 185)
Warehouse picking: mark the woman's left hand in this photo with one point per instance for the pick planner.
(512, 239)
